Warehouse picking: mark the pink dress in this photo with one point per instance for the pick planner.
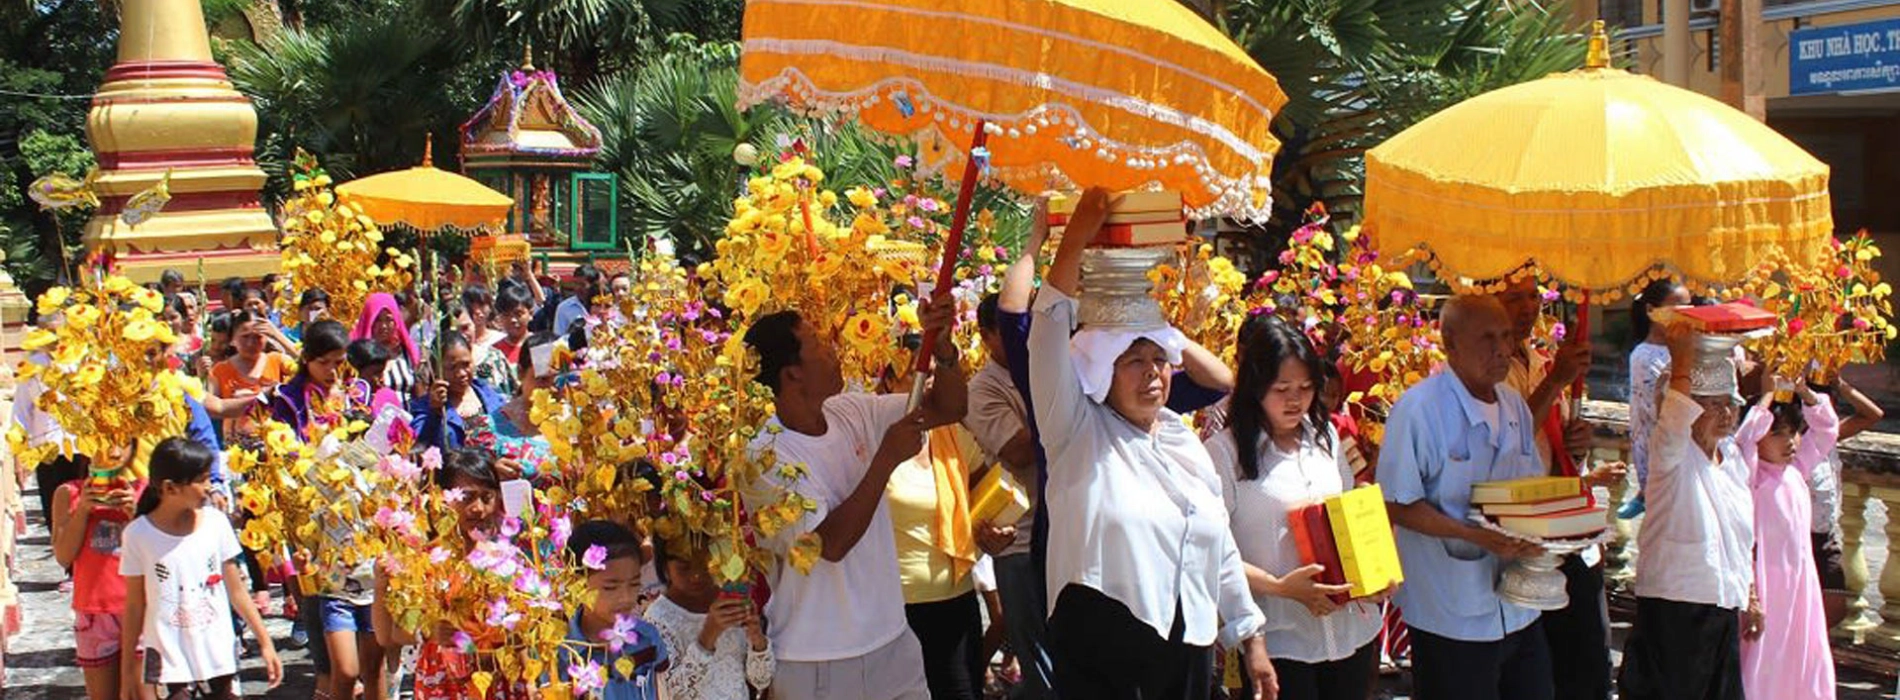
(1791, 660)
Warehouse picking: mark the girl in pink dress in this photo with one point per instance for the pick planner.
(1785, 652)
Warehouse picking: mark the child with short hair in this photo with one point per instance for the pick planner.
(718, 643)
(181, 583)
(1785, 651)
(610, 629)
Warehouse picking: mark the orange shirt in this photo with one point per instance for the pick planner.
(227, 381)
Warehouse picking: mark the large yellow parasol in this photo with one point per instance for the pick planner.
(1599, 178)
(428, 199)
(1072, 93)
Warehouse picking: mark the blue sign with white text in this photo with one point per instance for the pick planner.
(1847, 58)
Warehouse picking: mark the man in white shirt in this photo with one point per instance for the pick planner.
(1462, 426)
(1695, 562)
(840, 628)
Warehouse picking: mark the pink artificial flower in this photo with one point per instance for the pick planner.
(500, 616)
(454, 496)
(586, 678)
(431, 459)
(904, 161)
(623, 634)
(559, 529)
(595, 559)
(496, 558)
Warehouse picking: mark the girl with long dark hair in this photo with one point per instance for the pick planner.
(179, 560)
(1649, 365)
(1280, 452)
(305, 399)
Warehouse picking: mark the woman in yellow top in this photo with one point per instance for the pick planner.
(937, 547)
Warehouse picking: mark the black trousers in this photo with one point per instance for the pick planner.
(1579, 635)
(951, 633)
(1103, 652)
(1516, 667)
(1682, 651)
(1349, 678)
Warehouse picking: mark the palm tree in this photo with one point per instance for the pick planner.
(362, 95)
(669, 130)
(590, 40)
(1358, 71)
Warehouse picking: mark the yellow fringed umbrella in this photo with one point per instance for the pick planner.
(428, 199)
(1598, 178)
(1072, 93)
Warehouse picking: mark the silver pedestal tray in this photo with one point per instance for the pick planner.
(1535, 582)
(1116, 292)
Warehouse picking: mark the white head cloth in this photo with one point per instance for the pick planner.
(1094, 351)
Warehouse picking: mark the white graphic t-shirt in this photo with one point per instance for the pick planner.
(187, 626)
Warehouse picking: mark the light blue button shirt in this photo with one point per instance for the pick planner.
(1437, 444)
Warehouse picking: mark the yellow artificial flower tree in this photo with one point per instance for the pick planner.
(1831, 313)
(107, 380)
(329, 245)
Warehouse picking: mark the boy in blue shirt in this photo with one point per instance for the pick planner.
(611, 629)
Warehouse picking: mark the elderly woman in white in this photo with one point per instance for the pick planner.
(1142, 569)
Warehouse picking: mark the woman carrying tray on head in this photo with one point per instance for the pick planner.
(1131, 492)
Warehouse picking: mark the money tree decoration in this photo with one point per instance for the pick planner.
(1205, 297)
(107, 380)
(782, 251)
(1358, 308)
(330, 245)
(1831, 313)
(657, 422)
(494, 597)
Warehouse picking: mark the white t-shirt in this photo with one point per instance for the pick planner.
(187, 610)
(1492, 415)
(849, 608)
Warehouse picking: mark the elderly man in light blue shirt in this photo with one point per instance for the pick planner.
(1457, 428)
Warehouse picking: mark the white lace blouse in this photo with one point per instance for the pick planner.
(697, 674)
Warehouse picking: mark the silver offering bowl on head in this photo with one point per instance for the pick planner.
(1116, 291)
(1534, 582)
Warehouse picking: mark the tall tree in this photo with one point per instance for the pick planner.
(362, 94)
(1358, 71)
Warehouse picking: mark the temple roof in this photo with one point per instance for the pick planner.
(527, 118)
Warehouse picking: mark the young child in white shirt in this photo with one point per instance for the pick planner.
(182, 582)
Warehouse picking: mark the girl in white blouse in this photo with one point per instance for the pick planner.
(1279, 452)
(1142, 569)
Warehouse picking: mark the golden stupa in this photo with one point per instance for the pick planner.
(167, 112)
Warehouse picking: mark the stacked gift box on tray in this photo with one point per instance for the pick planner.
(1135, 219)
(1545, 507)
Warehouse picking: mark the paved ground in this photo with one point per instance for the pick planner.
(40, 659)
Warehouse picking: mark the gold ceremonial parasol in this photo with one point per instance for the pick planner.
(1072, 93)
(428, 199)
(1599, 178)
(1052, 94)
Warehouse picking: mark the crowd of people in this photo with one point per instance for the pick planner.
(1156, 562)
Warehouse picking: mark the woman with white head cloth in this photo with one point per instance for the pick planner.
(1695, 571)
(1143, 572)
